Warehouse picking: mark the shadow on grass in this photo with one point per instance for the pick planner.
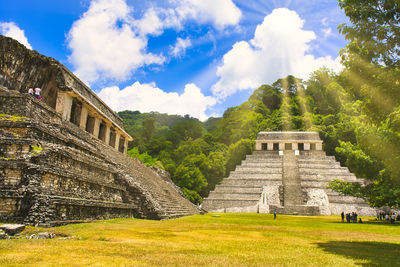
(374, 222)
(369, 253)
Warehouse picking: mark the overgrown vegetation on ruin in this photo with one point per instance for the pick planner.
(356, 112)
(6, 117)
(210, 240)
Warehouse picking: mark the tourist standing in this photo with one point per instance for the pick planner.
(274, 214)
(37, 93)
(342, 214)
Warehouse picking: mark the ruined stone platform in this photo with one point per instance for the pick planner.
(288, 172)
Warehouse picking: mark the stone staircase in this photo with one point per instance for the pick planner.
(293, 202)
(291, 181)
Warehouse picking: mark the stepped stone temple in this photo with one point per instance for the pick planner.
(288, 172)
(63, 159)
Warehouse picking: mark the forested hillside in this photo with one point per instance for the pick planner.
(356, 112)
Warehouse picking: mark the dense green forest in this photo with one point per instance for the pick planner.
(356, 112)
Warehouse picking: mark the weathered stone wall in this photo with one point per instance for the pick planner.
(53, 172)
(24, 105)
(288, 135)
(22, 68)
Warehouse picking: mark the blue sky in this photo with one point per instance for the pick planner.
(194, 57)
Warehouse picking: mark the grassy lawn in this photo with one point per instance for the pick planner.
(211, 240)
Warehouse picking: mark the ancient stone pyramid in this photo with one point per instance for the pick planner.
(288, 172)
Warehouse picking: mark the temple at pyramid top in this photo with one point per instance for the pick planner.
(288, 141)
(289, 173)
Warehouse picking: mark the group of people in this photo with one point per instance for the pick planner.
(389, 217)
(351, 217)
(35, 92)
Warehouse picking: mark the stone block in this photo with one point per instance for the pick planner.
(306, 146)
(12, 229)
(270, 146)
(258, 146)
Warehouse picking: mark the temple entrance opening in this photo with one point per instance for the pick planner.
(301, 146)
(102, 131)
(76, 110)
(276, 146)
(264, 146)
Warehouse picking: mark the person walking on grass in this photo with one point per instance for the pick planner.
(274, 214)
(342, 214)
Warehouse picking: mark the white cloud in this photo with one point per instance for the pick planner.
(280, 47)
(156, 19)
(10, 29)
(150, 23)
(148, 97)
(327, 32)
(180, 47)
(324, 21)
(108, 43)
(221, 13)
(105, 45)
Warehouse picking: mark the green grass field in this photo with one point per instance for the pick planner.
(211, 240)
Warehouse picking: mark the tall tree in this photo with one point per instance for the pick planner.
(375, 30)
(148, 128)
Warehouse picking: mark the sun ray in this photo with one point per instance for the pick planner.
(305, 108)
(285, 109)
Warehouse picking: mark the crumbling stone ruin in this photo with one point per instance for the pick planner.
(288, 172)
(63, 159)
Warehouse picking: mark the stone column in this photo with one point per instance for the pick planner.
(281, 146)
(117, 137)
(126, 146)
(258, 145)
(60, 103)
(306, 146)
(63, 105)
(270, 146)
(318, 146)
(84, 115)
(295, 146)
(96, 128)
(107, 138)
